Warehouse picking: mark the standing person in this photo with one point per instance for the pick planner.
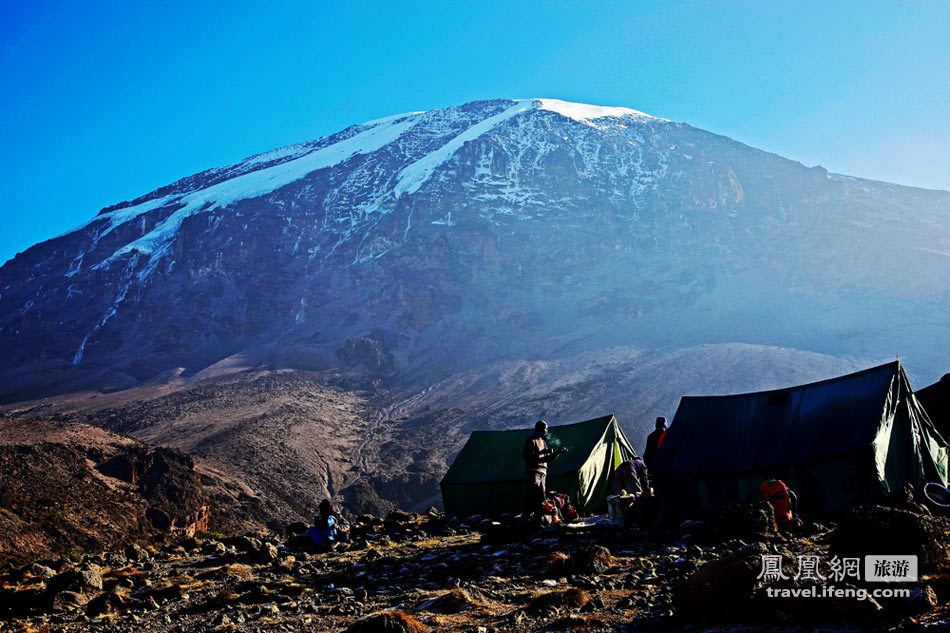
(537, 456)
(654, 440)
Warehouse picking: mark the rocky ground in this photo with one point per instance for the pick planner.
(412, 572)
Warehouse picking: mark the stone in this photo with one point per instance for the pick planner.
(167, 594)
(266, 553)
(720, 585)
(750, 521)
(190, 544)
(136, 553)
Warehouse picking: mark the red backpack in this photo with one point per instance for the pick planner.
(776, 492)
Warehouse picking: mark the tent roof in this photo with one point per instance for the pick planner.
(936, 402)
(495, 456)
(743, 432)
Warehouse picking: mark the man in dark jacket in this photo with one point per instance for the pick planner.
(654, 440)
(537, 456)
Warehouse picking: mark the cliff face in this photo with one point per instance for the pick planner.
(66, 487)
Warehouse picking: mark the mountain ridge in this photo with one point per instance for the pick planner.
(362, 226)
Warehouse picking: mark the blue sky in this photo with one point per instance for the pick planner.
(107, 101)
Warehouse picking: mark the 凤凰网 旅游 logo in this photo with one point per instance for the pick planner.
(890, 568)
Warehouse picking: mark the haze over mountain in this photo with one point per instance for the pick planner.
(468, 265)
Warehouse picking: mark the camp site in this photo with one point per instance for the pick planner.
(838, 443)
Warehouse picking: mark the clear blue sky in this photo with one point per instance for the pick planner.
(106, 101)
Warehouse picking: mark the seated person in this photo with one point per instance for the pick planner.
(328, 529)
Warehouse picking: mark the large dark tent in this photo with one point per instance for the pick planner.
(936, 402)
(837, 442)
(488, 475)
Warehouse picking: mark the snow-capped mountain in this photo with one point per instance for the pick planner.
(422, 243)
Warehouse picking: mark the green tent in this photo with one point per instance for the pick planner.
(936, 402)
(852, 439)
(488, 475)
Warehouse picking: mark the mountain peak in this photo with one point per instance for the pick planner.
(582, 112)
(585, 112)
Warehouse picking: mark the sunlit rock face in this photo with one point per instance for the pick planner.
(421, 244)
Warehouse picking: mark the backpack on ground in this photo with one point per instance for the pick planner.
(780, 497)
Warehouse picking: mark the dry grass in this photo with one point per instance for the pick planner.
(395, 621)
(572, 597)
(126, 572)
(559, 563)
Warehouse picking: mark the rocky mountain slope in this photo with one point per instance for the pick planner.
(511, 229)
(336, 315)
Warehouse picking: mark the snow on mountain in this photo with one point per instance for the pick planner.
(286, 165)
(587, 113)
(413, 176)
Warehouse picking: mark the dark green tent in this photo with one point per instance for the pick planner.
(936, 402)
(837, 442)
(488, 475)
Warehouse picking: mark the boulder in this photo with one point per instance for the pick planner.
(301, 543)
(922, 600)
(748, 521)
(265, 553)
(75, 580)
(104, 603)
(297, 527)
(399, 516)
(594, 559)
(69, 601)
(245, 544)
(190, 544)
(881, 530)
(173, 591)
